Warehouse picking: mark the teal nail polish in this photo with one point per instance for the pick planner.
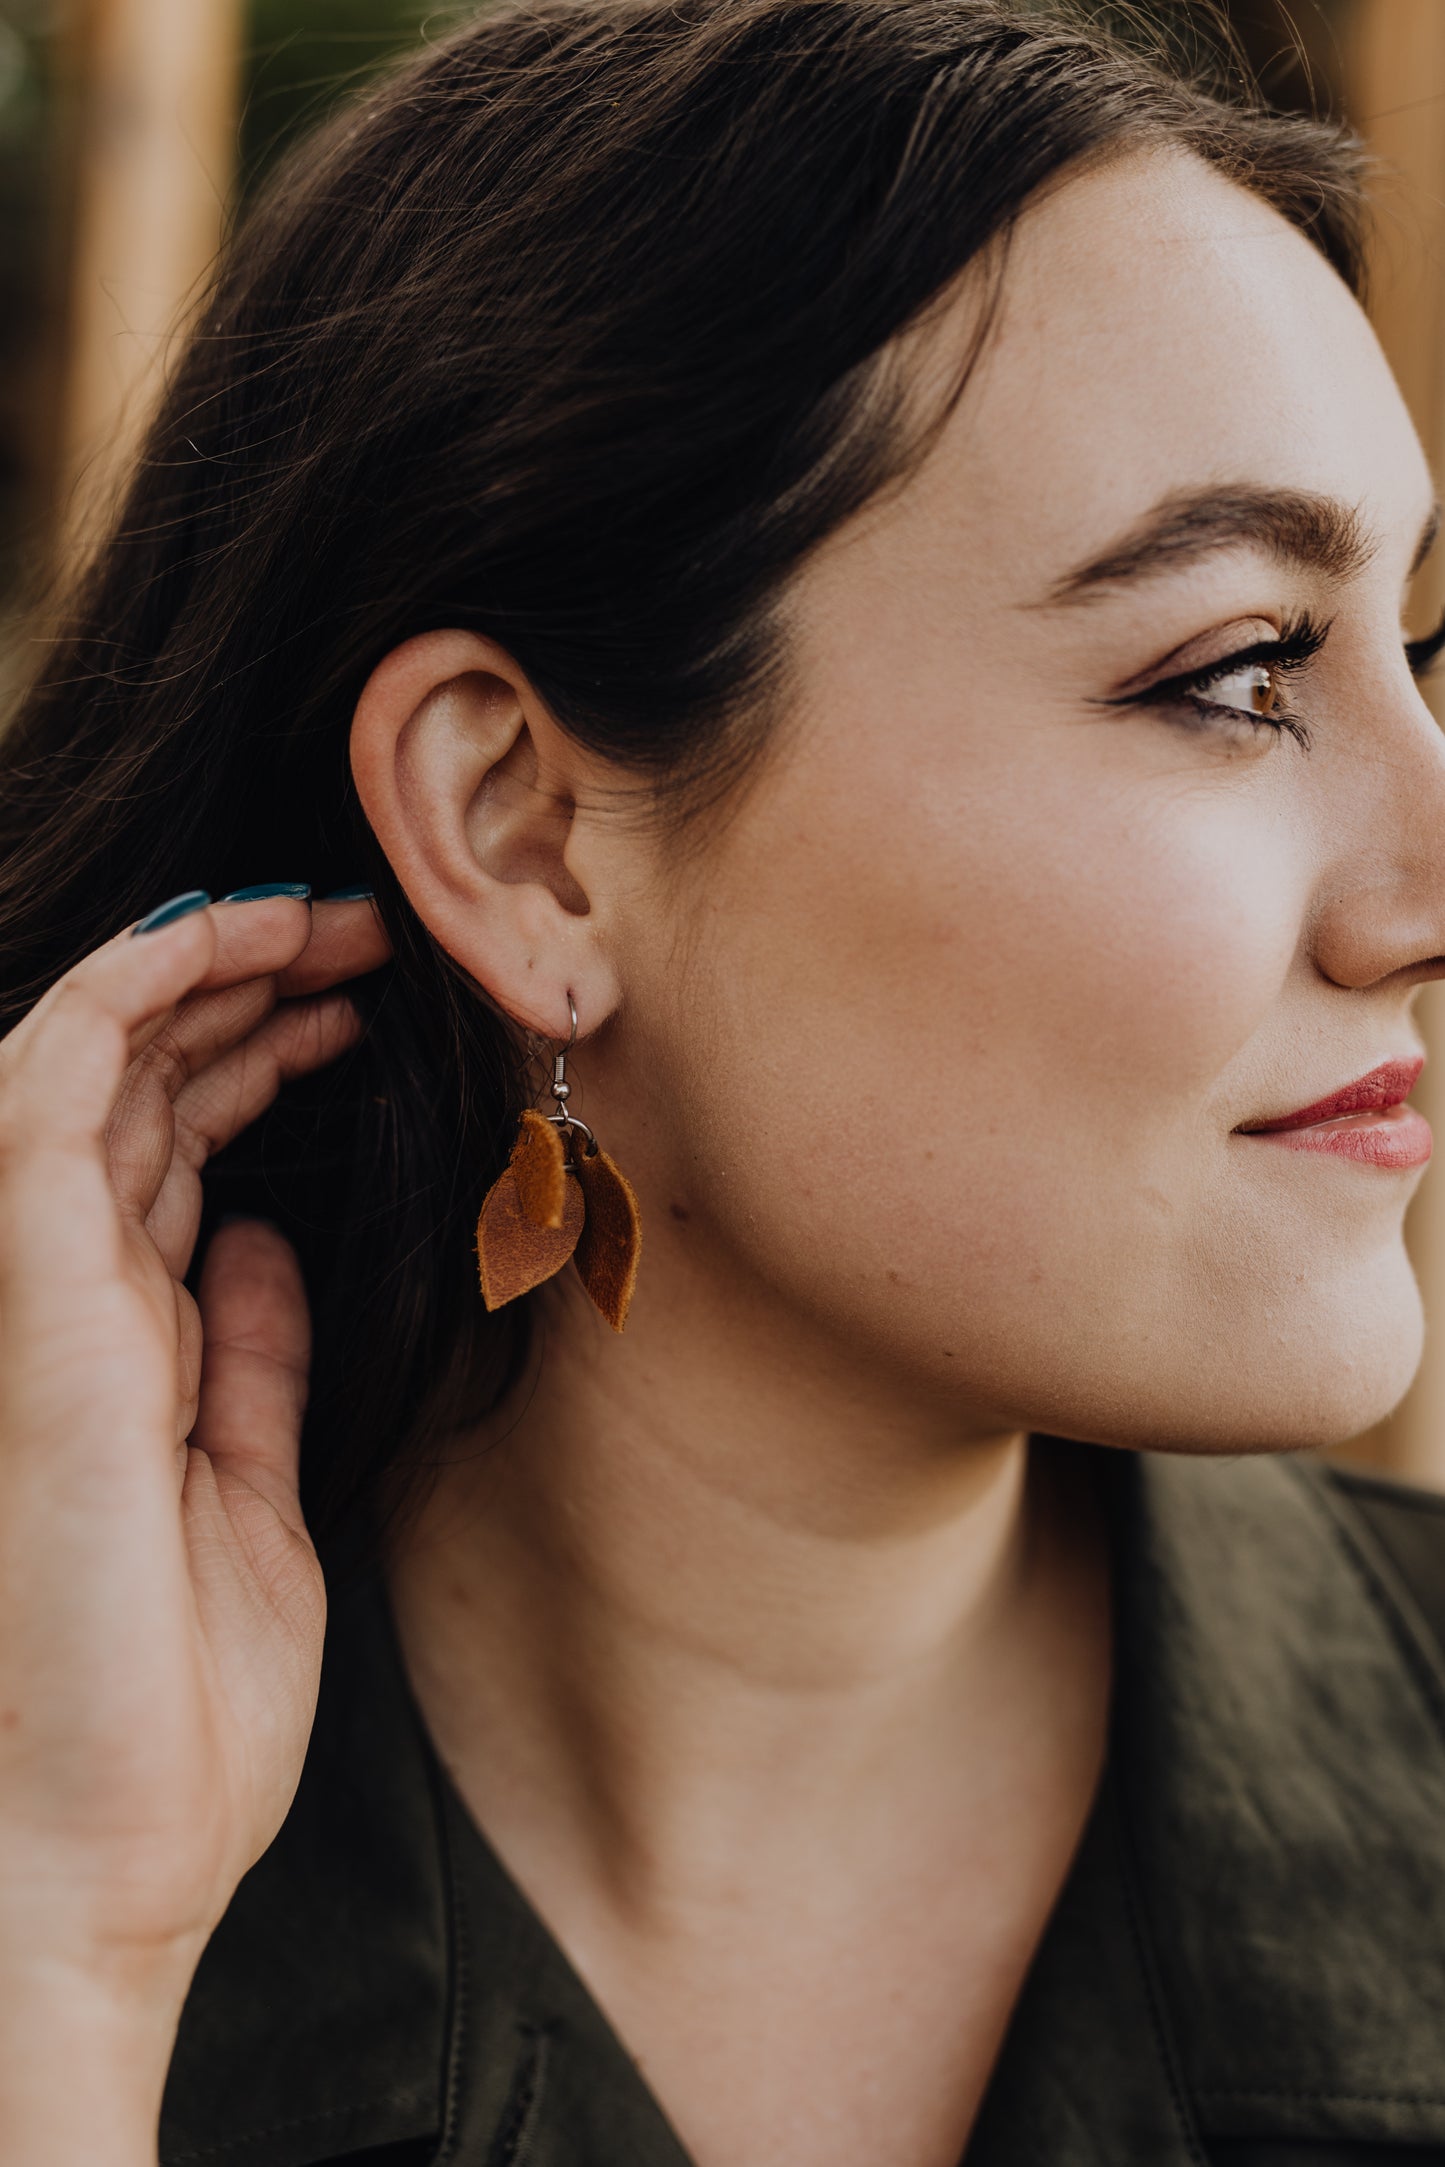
(179, 906)
(350, 895)
(298, 890)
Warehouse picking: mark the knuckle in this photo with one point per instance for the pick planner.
(11, 1137)
(194, 1142)
(79, 1015)
(73, 997)
(165, 1059)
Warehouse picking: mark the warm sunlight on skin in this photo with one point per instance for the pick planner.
(745, 1638)
(983, 978)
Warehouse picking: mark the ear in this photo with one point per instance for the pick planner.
(471, 789)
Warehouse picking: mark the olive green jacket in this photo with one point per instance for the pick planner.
(1246, 1967)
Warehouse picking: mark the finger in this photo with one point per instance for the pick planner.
(227, 1097)
(347, 939)
(256, 937)
(140, 1132)
(264, 961)
(242, 941)
(253, 941)
(255, 1363)
(127, 985)
(61, 1070)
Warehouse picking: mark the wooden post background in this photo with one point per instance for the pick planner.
(158, 89)
(1394, 55)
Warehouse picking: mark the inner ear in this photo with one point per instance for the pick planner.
(519, 821)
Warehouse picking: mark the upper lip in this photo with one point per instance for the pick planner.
(1384, 1086)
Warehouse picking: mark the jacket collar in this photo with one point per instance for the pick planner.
(318, 2018)
(1251, 1942)
(1281, 1751)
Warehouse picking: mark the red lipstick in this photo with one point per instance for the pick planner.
(1367, 1120)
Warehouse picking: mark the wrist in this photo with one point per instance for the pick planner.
(83, 2062)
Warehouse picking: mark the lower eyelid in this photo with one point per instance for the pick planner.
(1205, 714)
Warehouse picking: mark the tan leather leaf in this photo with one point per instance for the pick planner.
(611, 1239)
(513, 1253)
(539, 1162)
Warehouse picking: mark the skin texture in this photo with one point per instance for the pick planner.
(161, 1606)
(746, 1638)
(771, 1655)
(941, 1042)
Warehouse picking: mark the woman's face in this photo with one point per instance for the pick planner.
(947, 1043)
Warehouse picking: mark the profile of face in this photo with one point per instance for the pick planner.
(1107, 824)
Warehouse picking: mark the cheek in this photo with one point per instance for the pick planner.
(1081, 958)
(966, 1042)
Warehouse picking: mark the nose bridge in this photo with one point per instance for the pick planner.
(1382, 908)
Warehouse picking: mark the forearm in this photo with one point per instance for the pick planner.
(82, 2069)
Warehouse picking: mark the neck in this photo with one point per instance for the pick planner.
(686, 1584)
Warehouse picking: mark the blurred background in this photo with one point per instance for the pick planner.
(130, 131)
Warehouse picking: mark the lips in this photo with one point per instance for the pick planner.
(1367, 1120)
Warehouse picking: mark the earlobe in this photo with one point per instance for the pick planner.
(470, 787)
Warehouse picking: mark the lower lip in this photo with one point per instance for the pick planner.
(1392, 1136)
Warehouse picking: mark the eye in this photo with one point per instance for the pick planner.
(1247, 686)
(1252, 688)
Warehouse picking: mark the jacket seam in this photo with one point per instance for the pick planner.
(295, 2121)
(1387, 1589)
(1406, 1494)
(1159, 2025)
(1328, 2099)
(520, 2123)
(460, 1971)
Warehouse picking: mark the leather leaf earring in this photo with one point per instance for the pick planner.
(560, 1196)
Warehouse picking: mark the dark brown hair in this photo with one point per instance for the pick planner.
(573, 333)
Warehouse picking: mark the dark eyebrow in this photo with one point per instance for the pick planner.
(1323, 534)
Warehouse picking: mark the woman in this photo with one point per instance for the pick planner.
(838, 565)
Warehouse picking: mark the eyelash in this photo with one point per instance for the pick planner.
(1299, 642)
(1423, 654)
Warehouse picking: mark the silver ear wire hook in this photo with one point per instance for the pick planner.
(562, 1090)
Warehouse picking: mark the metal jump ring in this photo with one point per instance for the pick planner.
(569, 1123)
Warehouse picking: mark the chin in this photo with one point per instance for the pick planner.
(1325, 1375)
(1262, 1375)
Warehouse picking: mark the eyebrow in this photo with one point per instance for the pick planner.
(1296, 526)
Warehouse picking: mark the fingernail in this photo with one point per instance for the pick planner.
(298, 890)
(179, 906)
(349, 895)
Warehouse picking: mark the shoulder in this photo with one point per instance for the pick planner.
(1393, 1502)
(1283, 1582)
(1291, 1509)
(1281, 1760)
(1403, 1525)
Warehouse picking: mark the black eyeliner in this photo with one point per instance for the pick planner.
(1298, 643)
(1424, 653)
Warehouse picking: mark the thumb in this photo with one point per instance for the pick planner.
(255, 1361)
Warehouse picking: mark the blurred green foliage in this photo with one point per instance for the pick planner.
(302, 55)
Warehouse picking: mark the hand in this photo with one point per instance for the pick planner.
(161, 1605)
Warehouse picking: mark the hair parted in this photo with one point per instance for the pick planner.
(574, 332)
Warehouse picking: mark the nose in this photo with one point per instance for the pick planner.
(1380, 909)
